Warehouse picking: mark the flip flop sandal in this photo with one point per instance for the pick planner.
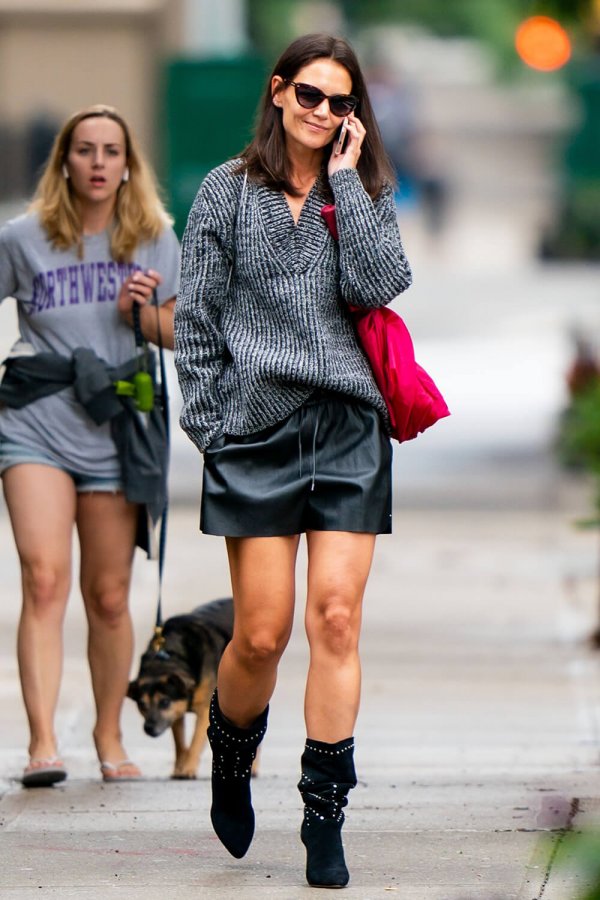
(114, 771)
(43, 772)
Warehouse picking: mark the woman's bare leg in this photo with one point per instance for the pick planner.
(263, 582)
(41, 505)
(338, 568)
(106, 523)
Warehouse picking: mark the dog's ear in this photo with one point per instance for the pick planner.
(133, 691)
(183, 684)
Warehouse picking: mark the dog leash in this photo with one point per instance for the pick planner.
(158, 640)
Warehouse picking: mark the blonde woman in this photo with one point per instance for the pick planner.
(95, 241)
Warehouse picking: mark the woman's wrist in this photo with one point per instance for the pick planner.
(344, 176)
(156, 323)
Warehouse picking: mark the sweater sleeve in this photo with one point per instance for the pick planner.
(373, 266)
(206, 258)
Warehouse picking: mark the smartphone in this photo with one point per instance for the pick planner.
(340, 146)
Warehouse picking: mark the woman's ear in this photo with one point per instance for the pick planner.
(276, 86)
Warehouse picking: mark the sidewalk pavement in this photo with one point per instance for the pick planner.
(477, 743)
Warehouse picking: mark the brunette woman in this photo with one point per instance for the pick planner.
(95, 241)
(282, 403)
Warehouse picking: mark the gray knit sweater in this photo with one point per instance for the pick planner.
(249, 354)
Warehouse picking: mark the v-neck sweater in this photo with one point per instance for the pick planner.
(261, 318)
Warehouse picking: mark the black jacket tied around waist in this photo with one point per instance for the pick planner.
(140, 438)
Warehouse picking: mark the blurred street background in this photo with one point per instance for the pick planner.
(482, 605)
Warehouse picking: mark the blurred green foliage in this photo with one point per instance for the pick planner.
(575, 233)
(464, 17)
(565, 10)
(270, 25)
(493, 21)
(461, 17)
(579, 437)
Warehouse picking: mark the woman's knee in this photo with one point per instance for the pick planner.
(107, 602)
(45, 587)
(261, 647)
(334, 626)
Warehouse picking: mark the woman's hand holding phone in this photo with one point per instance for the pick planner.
(346, 146)
(339, 147)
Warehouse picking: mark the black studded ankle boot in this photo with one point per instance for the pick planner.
(327, 776)
(233, 751)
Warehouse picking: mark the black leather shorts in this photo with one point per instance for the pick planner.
(327, 467)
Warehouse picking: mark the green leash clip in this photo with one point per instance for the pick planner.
(141, 388)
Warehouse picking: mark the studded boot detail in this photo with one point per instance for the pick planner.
(327, 776)
(233, 750)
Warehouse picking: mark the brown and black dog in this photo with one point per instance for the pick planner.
(179, 674)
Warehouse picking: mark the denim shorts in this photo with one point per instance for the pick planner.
(327, 467)
(14, 454)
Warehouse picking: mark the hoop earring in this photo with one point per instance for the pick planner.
(125, 174)
(65, 172)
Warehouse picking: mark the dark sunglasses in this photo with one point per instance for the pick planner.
(309, 97)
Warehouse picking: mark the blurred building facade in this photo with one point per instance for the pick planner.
(57, 56)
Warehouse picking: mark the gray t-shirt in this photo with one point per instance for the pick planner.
(64, 302)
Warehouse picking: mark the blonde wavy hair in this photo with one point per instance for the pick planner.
(139, 212)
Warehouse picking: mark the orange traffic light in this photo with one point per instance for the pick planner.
(543, 43)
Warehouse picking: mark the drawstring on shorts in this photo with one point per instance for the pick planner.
(314, 452)
(314, 448)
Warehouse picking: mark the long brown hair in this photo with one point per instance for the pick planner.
(139, 212)
(265, 157)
